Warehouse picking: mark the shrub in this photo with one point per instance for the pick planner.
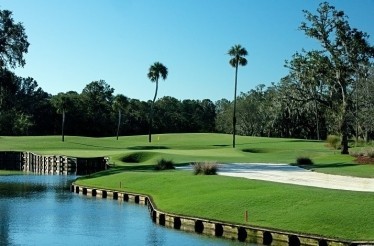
(206, 168)
(304, 161)
(366, 152)
(356, 153)
(197, 168)
(333, 141)
(164, 165)
(370, 152)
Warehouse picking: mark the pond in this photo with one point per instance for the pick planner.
(41, 210)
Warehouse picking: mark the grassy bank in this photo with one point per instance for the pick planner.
(326, 212)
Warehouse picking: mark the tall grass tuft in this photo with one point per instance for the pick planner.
(205, 168)
(370, 152)
(366, 152)
(164, 165)
(333, 141)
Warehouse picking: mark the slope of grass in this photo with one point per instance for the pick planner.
(185, 148)
(332, 213)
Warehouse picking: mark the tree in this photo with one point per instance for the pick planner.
(156, 71)
(62, 102)
(120, 103)
(237, 52)
(365, 103)
(344, 50)
(168, 115)
(13, 41)
(223, 114)
(97, 97)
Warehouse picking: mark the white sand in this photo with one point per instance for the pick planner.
(283, 173)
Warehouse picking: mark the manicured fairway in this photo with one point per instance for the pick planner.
(185, 148)
(332, 213)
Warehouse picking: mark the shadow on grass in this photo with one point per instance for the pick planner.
(255, 150)
(220, 145)
(120, 169)
(138, 157)
(305, 141)
(147, 147)
(95, 146)
(110, 171)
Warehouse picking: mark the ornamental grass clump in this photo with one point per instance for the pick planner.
(364, 155)
(357, 153)
(164, 165)
(333, 141)
(205, 168)
(370, 152)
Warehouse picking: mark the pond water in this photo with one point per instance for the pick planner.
(40, 210)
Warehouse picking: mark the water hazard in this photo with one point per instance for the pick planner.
(40, 210)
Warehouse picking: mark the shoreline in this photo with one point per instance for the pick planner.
(220, 229)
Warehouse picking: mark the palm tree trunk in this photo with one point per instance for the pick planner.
(63, 125)
(151, 114)
(119, 122)
(234, 113)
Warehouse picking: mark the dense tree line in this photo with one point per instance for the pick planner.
(327, 91)
(25, 109)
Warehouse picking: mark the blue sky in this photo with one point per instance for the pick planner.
(76, 42)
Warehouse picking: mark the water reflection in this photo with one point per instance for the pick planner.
(40, 210)
(20, 189)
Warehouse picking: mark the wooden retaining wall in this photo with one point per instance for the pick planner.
(242, 233)
(51, 164)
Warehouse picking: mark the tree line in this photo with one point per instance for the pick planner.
(327, 91)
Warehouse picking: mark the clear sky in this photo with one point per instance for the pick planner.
(75, 42)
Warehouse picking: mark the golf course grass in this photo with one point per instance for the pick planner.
(333, 213)
(186, 148)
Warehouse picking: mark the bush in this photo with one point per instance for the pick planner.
(164, 165)
(206, 168)
(365, 152)
(370, 152)
(333, 141)
(356, 153)
(304, 161)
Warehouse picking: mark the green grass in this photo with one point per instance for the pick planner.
(186, 148)
(332, 213)
(7, 172)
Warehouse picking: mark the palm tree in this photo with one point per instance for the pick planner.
(61, 102)
(155, 71)
(237, 52)
(119, 104)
